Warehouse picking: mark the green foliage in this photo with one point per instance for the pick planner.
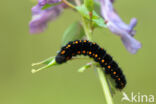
(96, 19)
(89, 5)
(73, 32)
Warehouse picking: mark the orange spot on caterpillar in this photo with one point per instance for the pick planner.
(96, 55)
(114, 72)
(78, 52)
(102, 60)
(90, 52)
(109, 66)
(63, 52)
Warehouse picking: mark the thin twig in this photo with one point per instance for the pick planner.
(68, 3)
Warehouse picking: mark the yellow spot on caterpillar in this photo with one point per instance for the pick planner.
(69, 45)
(96, 55)
(76, 42)
(80, 41)
(109, 66)
(63, 52)
(119, 79)
(85, 41)
(102, 60)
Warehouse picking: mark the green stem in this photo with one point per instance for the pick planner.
(87, 29)
(105, 86)
(68, 3)
(102, 77)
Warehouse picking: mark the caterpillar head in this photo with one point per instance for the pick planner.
(60, 59)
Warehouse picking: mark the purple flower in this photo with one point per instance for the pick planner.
(43, 2)
(118, 27)
(40, 17)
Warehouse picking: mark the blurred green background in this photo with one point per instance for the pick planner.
(63, 84)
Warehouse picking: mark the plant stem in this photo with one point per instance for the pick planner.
(102, 77)
(105, 86)
(87, 29)
(68, 3)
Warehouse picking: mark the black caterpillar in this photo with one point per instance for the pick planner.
(91, 49)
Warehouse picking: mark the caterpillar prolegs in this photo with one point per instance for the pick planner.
(91, 49)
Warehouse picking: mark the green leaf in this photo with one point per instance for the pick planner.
(89, 5)
(97, 20)
(46, 6)
(83, 68)
(73, 32)
(49, 62)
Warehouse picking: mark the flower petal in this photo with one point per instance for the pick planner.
(41, 17)
(43, 2)
(131, 44)
(118, 27)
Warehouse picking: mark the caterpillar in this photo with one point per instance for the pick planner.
(94, 51)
